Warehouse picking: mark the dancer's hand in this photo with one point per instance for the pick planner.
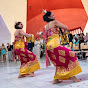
(30, 35)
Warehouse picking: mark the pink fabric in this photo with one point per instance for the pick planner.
(13, 55)
(46, 55)
(55, 50)
(26, 46)
(23, 53)
(26, 53)
(67, 56)
(52, 31)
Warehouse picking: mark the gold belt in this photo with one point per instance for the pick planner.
(19, 44)
(53, 42)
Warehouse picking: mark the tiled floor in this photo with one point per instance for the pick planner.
(44, 76)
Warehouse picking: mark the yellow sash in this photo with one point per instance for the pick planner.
(53, 42)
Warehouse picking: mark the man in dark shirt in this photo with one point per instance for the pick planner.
(70, 38)
(10, 55)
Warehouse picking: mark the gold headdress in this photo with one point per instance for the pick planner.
(44, 11)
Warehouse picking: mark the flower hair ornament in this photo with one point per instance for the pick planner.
(39, 33)
(44, 11)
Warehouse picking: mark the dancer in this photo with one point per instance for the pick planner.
(29, 61)
(65, 60)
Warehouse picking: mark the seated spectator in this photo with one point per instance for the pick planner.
(76, 41)
(86, 37)
(81, 38)
(78, 35)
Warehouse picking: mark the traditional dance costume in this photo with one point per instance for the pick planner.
(64, 59)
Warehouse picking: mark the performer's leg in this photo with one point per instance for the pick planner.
(74, 79)
(55, 81)
(4, 57)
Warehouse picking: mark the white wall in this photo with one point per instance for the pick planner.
(5, 35)
(85, 4)
(13, 11)
(86, 28)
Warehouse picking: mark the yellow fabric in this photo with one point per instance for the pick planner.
(19, 44)
(53, 41)
(29, 69)
(30, 38)
(64, 39)
(66, 75)
(70, 43)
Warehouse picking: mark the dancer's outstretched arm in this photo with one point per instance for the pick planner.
(25, 34)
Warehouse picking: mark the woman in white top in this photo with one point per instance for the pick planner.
(37, 48)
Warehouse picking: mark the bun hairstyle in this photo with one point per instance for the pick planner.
(46, 17)
(16, 25)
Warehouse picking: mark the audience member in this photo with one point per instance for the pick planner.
(3, 52)
(10, 54)
(86, 37)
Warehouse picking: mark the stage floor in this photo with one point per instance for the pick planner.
(43, 79)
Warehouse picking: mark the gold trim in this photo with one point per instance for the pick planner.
(52, 50)
(67, 75)
(24, 59)
(29, 69)
(19, 44)
(62, 59)
(61, 52)
(72, 54)
(30, 63)
(22, 54)
(30, 56)
(53, 56)
(53, 42)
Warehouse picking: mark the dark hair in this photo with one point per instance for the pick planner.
(83, 34)
(68, 31)
(45, 17)
(36, 37)
(16, 25)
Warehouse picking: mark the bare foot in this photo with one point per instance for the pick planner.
(59, 81)
(74, 79)
(55, 81)
(32, 75)
(21, 76)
